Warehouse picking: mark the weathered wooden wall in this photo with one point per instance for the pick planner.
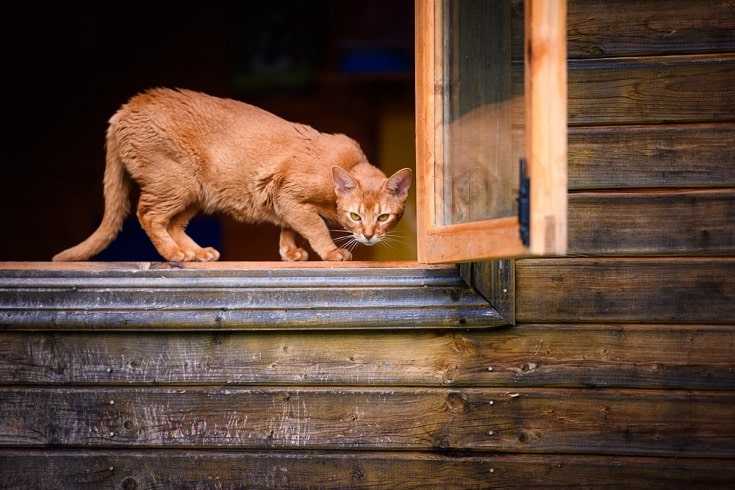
(91, 397)
(650, 274)
(619, 372)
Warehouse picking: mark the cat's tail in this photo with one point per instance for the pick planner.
(117, 206)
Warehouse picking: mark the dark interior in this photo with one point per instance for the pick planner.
(339, 66)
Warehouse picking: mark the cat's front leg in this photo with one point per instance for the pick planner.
(327, 250)
(309, 224)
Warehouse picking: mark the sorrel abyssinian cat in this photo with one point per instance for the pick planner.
(190, 152)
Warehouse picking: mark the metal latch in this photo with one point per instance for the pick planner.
(524, 204)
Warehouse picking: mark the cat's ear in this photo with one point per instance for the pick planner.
(399, 183)
(343, 182)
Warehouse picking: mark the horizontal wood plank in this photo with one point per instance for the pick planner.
(611, 28)
(581, 421)
(632, 290)
(253, 298)
(697, 155)
(376, 470)
(542, 355)
(604, 28)
(655, 222)
(644, 91)
(685, 357)
(651, 91)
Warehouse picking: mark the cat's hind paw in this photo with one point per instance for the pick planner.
(208, 254)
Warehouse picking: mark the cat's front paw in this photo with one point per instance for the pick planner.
(207, 254)
(338, 255)
(293, 254)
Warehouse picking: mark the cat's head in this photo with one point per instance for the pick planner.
(369, 210)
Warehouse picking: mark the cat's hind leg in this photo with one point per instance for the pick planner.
(287, 246)
(192, 250)
(158, 218)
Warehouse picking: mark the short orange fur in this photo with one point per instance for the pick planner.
(189, 152)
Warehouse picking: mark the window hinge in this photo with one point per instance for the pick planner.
(524, 204)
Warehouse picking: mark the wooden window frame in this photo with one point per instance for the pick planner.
(545, 86)
(470, 244)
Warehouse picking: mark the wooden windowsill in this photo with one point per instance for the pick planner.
(238, 296)
(213, 266)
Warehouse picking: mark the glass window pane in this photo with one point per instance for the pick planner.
(482, 124)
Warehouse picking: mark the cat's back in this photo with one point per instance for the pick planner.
(165, 106)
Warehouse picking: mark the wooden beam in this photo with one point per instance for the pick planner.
(546, 123)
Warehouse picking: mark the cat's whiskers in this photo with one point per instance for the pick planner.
(343, 238)
(347, 241)
(353, 246)
(391, 240)
(350, 243)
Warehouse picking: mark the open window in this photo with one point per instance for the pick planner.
(491, 129)
(486, 97)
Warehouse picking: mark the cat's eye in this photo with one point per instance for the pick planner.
(383, 217)
(355, 216)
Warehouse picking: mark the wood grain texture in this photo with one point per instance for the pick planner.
(633, 290)
(692, 222)
(619, 373)
(662, 156)
(619, 28)
(545, 95)
(603, 356)
(649, 28)
(428, 120)
(582, 421)
(43, 470)
(495, 281)
(645, 91)
(651, 91)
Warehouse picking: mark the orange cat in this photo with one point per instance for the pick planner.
(190, 152)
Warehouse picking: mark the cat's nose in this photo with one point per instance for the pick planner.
(368, 236)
